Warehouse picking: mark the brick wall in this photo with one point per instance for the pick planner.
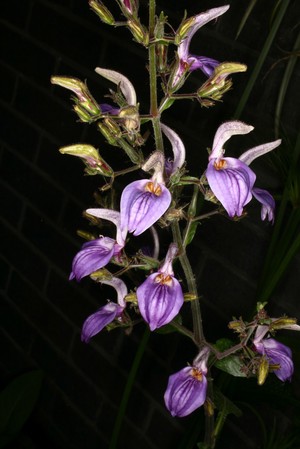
(42, 197)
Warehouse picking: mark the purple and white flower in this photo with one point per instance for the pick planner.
(186, 390)
(160, 297)
(106, 314)
(143, 202)
(97, 253)
(187, 62)
(230, 179)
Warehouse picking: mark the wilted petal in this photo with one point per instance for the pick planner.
(231, 181)
(142, 204)
(186, 391)
(125, 85)
(96, 322)
(277, 354)
(255, 152)
(206, 65)
(224, 132)
(93, 256)
(160, 298)
(267, 201)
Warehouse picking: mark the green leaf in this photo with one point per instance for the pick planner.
(17, 401)
(231, 364)
(191, 233)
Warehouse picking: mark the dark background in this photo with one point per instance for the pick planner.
(43, 194)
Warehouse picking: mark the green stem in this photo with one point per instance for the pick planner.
(128, 387)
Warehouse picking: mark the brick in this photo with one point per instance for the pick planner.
(36, 104)
(4, 273)
(16, 12)
(31, 184)
(80, 38)
(7, 83)
(99, 370)
(78, 432)
(16, 325)
(20, 255)
(18, 133)
(22, 55)
(48, 240)
(69, 297)
(11, 205)
(40, 313)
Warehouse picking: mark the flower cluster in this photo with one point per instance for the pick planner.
(155, 199)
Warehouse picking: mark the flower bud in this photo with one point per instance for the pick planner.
(138, 31)
(102, 12)
(83, 115)
(183, 29)
(113, 127)
(84, 101)
(95, 164)
(101, 275)
(283, 323)
(263, 370)
(106, 132)
(131, 297)
(217, 85)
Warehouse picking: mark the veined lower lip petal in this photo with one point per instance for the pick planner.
(185, 392)
(231, 185)
(93, 256)
(141, 208)
(206, 65)
(267, 201)
(97, 321)
(277, 354)
(159, 302)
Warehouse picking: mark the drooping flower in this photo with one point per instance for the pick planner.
(278, 355)
(106, 314)
(160, 297)
(230, 179)
(143, 202)
(187, 62)
(186, 390)
(97, 253)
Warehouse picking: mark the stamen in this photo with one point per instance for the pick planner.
(220, 164)
(152, 188)
(163, 280)
(197, 374)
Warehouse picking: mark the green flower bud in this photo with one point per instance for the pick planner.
(183, 29)
(95, 164)
(138, 31)
(263, 370)
(102, 12)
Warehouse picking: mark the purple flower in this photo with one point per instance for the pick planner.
(186, 390)
(231, 180)
(160, 297)
(144, 202)
(277, 354)
(106, 314)
(187, 62)
(95, 254)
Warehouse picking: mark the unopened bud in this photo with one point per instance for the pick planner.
(82, 113)
(263, 370)
(183, 29)
(102, 12)
(85, 235)
(95, 164)
(138, 31)
(85, 99)
(217, 85)
(190, 297)
(105, 131)
(131, 297)
(101, 275)
(113, 127)
(282, 323)
(237, 326)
